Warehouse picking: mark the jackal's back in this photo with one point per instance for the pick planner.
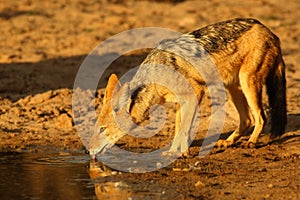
(217, 36)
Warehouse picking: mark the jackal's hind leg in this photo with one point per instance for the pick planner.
(253, 94)
(239, 100)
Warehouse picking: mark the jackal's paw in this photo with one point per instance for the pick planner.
(251, 145)
(171, 153)
(248, 145)
(222, 144)
(175, 154)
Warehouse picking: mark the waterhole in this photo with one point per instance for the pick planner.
(69, 176)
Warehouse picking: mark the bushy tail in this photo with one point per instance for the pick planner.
(276, 89)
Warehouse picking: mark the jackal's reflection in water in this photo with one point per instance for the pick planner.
(106, 187)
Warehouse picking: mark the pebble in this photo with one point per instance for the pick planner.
(64, 121)
(40, 98)
(199, 184)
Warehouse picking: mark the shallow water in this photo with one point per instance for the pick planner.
(45, 176)
(68, 176)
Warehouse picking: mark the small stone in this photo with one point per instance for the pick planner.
(40, 98)
(56, 112)
(181, 169)
(64, 121)
(199, 184)
(158, 165)
(16, 111)
(263, 170)
(187, 21)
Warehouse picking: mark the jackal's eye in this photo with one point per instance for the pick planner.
(101, 129)
(116, 109)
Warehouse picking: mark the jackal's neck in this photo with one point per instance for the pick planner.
(141, 101)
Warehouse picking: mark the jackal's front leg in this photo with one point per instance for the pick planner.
(180, 139)
(183, 122)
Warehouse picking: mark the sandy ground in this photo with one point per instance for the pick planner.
(43, 44)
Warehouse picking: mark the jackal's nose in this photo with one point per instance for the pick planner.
(92, 155)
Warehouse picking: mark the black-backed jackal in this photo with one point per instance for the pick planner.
(247, 55)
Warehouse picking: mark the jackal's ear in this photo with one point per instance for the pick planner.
(112, 85)
(122, 99)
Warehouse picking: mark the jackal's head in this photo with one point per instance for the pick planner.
(107, 131)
